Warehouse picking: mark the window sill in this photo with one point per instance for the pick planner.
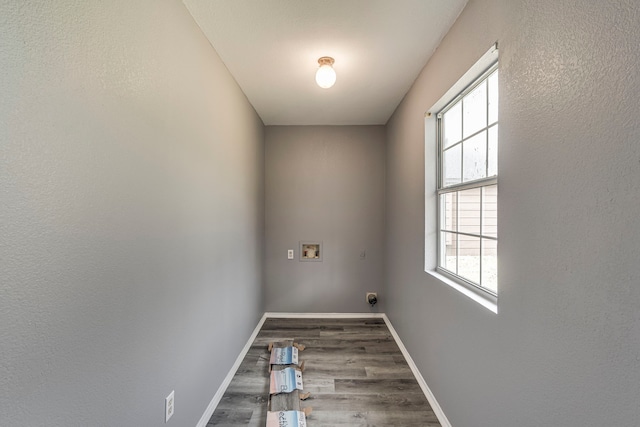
(487, 301)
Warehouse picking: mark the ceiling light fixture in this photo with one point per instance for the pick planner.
(326, 75)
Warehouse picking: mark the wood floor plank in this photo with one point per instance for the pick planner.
(368, 401)
(318, 385)
(231, 416)
(348, 359)
(376, 385)
(390, 372)
(354, 370)
(332, 371)
(373, 419)
(249, 385)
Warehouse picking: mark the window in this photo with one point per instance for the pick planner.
(467, 185)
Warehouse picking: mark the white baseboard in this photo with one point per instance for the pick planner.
(423, 384)
(275, 315)
(223, 387)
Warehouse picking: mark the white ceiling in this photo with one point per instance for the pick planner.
(272, 46)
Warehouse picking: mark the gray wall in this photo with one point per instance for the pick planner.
(324, 183)
(131, 214)
(563, 349)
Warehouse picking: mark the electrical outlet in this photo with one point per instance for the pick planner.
(169, 406)
(372, 298)
(290, 254)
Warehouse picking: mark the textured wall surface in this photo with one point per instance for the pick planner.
(131, 214)
(563, 350)
(324, 183)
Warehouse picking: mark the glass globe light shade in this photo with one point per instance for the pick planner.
(325, 76)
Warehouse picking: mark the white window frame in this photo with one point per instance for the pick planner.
(479, 71)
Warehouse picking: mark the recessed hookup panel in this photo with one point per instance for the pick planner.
(311, 250)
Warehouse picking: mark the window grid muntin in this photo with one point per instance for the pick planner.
(481, 183)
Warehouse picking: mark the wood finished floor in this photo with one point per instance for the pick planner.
(354, 370)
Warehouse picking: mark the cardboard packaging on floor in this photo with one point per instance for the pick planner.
(285, 389)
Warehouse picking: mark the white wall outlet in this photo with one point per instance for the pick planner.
(290, 254)
(372, 298)
(169, 406)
